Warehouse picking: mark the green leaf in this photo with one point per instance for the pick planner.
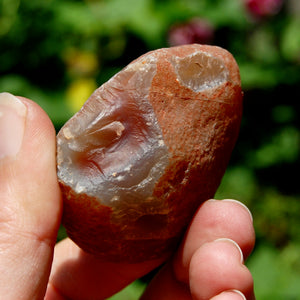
(282, 147)
(131, 292)
(290, 42)
(237, 183)
(276, 273)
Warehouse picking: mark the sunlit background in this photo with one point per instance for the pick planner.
(57, 52)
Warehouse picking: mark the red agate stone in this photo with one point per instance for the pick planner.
(146, 149)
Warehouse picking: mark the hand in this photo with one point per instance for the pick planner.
(207, 265)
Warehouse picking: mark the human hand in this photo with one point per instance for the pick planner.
(208, 264)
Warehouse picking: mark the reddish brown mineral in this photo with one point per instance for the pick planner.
(146, 149)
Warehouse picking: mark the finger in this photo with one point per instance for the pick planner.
(30, 198)
(215, 219)
(216, 267)
(78, 275)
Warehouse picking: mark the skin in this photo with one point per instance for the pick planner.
(207, 265)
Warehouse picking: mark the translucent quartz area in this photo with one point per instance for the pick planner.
(200, 71)
(113, 148)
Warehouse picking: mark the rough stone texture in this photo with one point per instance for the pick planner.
(146, 149)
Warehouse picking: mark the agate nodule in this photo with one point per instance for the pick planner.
(146, 149)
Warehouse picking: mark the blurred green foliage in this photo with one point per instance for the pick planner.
(57, 51)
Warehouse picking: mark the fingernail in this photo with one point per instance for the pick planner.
(235, 244)
(12, 124)
(241, 204)
(229, 295)
(240, 293)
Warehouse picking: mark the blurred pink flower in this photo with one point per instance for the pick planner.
(195, 31)
(263, 8)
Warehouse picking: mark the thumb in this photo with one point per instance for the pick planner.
(30, 203)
